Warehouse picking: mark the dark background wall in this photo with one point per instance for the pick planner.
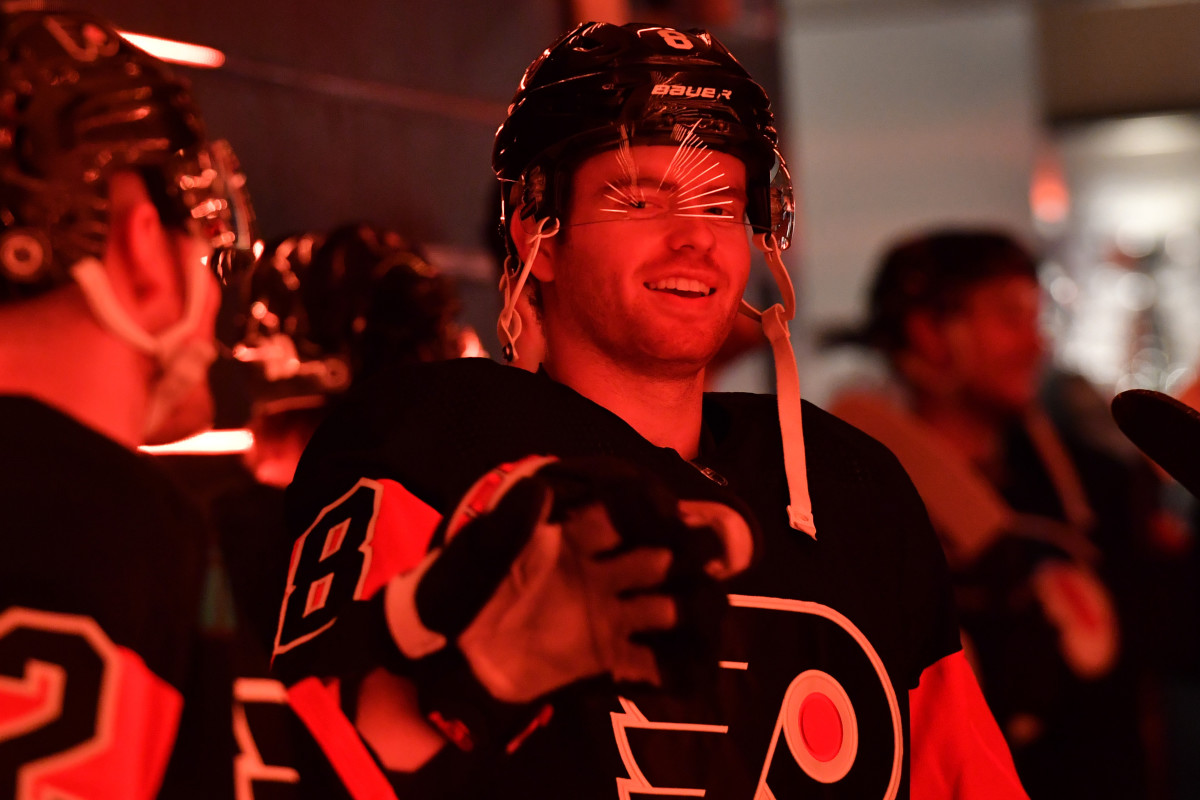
(349, 110)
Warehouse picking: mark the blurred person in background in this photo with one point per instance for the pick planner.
(317, 313)
(111, 205)
(1024, 524)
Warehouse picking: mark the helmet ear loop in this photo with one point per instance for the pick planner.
(97, 291)
(510, 324)
(787, 384)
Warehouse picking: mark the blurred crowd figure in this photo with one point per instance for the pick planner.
(1036, 525)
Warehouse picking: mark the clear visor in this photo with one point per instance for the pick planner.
(783, 203)
(658, 182)
(686, 180)
(221, 209)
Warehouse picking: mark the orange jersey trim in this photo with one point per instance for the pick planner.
(317, 704)
(404, 526)
(957, 748)
(136, 716)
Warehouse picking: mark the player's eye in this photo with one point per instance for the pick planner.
(651, 198)
(644, 202)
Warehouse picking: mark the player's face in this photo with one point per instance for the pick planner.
(995, 345)
(649, 268)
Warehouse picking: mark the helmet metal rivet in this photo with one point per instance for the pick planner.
(22, 256)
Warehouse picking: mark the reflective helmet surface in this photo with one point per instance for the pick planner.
(602, 84)
(78, 103)
(319, 311)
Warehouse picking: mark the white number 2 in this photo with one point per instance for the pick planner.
(675, 39)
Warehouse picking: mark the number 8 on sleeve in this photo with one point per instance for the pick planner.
(329, 565)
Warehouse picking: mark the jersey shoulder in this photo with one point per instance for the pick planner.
(437, 427)
(749, 422)
(98, 531)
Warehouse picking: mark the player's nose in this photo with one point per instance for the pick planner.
(690, 231)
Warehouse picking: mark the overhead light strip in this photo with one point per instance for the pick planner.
(217, 442)
(192, 55)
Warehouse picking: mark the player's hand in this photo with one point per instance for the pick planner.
(586, 568)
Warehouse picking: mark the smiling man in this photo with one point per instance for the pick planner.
(596, 581)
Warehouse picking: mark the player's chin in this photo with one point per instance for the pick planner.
(689, 348)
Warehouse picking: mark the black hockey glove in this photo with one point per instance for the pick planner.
(555, 572)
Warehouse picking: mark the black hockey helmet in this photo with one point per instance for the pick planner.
(78, 103)
(602, 84)
(319, 311)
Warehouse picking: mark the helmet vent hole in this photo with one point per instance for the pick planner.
(586, 44)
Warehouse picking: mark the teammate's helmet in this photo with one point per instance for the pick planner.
(317, 312)
(78, 103)
(602, 84)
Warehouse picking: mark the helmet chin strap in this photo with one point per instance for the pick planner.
(183, 362)
(510, 325)
(787, 384)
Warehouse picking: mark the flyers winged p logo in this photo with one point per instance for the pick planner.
(836, 720)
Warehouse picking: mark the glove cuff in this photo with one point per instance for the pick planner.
(400, 609)
(454, 701)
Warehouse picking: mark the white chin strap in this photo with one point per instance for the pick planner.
(787, 385)
(510, 325)
(183, 361)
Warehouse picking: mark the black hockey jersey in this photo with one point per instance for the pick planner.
(827, 646)
(100, 587)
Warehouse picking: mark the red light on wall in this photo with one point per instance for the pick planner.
(1049, 198)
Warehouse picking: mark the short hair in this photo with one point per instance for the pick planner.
(933, 272)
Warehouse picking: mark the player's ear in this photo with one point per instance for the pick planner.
(140, 259)
(524, 234)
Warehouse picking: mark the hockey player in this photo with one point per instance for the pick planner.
(111, 204)
(595, 580)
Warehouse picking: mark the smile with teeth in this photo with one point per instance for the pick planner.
(685, 287)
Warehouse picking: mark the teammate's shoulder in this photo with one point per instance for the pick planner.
(109, 478)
